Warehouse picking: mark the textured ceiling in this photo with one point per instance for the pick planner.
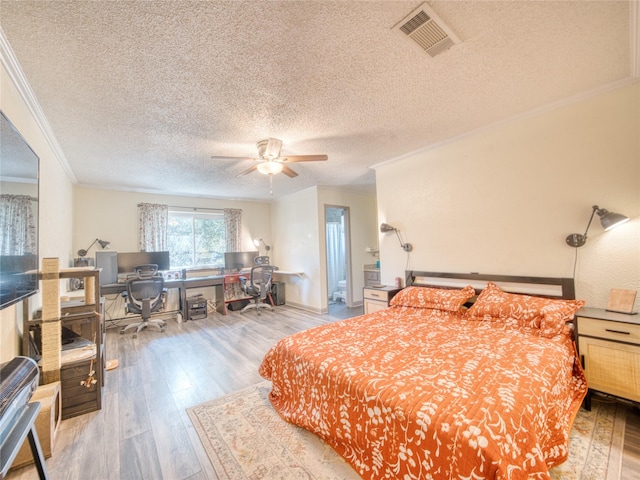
(141, 94)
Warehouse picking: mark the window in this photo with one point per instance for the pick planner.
(196, 239)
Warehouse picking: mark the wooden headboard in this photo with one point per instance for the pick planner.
(550, 287)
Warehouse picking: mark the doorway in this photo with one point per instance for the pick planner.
(338, 259)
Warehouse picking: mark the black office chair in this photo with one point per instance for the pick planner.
(261, 260)
(258, 287)
(144, 295)
(146, 270)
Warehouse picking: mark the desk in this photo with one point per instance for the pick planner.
(287, 272)
(182, 285)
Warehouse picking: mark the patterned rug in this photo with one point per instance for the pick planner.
(246, 439)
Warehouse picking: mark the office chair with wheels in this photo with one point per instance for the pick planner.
(258, 287)
(261, 260)
(146, 270)
(144, 296)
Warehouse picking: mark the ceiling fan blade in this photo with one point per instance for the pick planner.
(289, 172)
(304, 158)
(216, 157)
(248, 170)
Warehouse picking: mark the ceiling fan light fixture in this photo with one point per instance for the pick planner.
(269, 167)
(272, 150)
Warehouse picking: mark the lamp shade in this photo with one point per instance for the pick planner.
(269, 167)
(611, 220)
(259, 241)
(608, 220)
(385, 228)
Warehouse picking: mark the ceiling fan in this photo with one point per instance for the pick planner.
(269, 161)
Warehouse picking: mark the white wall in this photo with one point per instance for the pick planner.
(55, 205)
(112, 215)
(299, 242)
(363, 219)
(504, 199)
(296, 247)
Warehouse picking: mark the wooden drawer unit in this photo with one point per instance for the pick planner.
(77, 398)
(610, 330)
(609, 348)
(378, 298)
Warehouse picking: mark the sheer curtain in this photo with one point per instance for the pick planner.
(17, 227)
(152, 227)
(233, 228)
(336, 268)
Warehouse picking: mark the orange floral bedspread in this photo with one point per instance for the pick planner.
(414, 393)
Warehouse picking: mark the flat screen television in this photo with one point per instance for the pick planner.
(128, 260)
(16, 282)
(19, 216)
(239, 260)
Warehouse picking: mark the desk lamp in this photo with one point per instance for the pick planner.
(385, 227)
(608, 220)
(257, 243)
(103, 244)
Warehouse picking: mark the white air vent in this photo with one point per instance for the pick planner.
(427, 30)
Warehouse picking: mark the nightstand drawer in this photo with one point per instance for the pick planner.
(378, 298)
(376, 294)
(605, 329)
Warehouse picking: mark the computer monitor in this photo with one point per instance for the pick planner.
(239, 260)
(128, 260)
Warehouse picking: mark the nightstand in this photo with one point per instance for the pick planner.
(609, 348)
(378, 298)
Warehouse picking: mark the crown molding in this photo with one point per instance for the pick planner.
(19, 80)
(165, 193)
(515, 118)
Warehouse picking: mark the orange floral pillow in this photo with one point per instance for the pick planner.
(546, 315)
(435, 298)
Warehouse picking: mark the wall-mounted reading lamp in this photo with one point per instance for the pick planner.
(257, 243)
(608, 220)
(385, 227)
(103, 244)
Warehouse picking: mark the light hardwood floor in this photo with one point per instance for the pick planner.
(143, 432)
(631, 454)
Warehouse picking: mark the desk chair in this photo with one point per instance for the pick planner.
(146, 270)
(258, 287)
(261, 260)
(144, 296)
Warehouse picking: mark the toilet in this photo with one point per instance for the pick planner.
(341, 294)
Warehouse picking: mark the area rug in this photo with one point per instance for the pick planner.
(246, 439)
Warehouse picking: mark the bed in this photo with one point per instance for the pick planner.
(463, 376)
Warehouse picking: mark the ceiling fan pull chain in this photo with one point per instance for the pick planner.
(271, 184)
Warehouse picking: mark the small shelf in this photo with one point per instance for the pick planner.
(287, 272)
(82, 318)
